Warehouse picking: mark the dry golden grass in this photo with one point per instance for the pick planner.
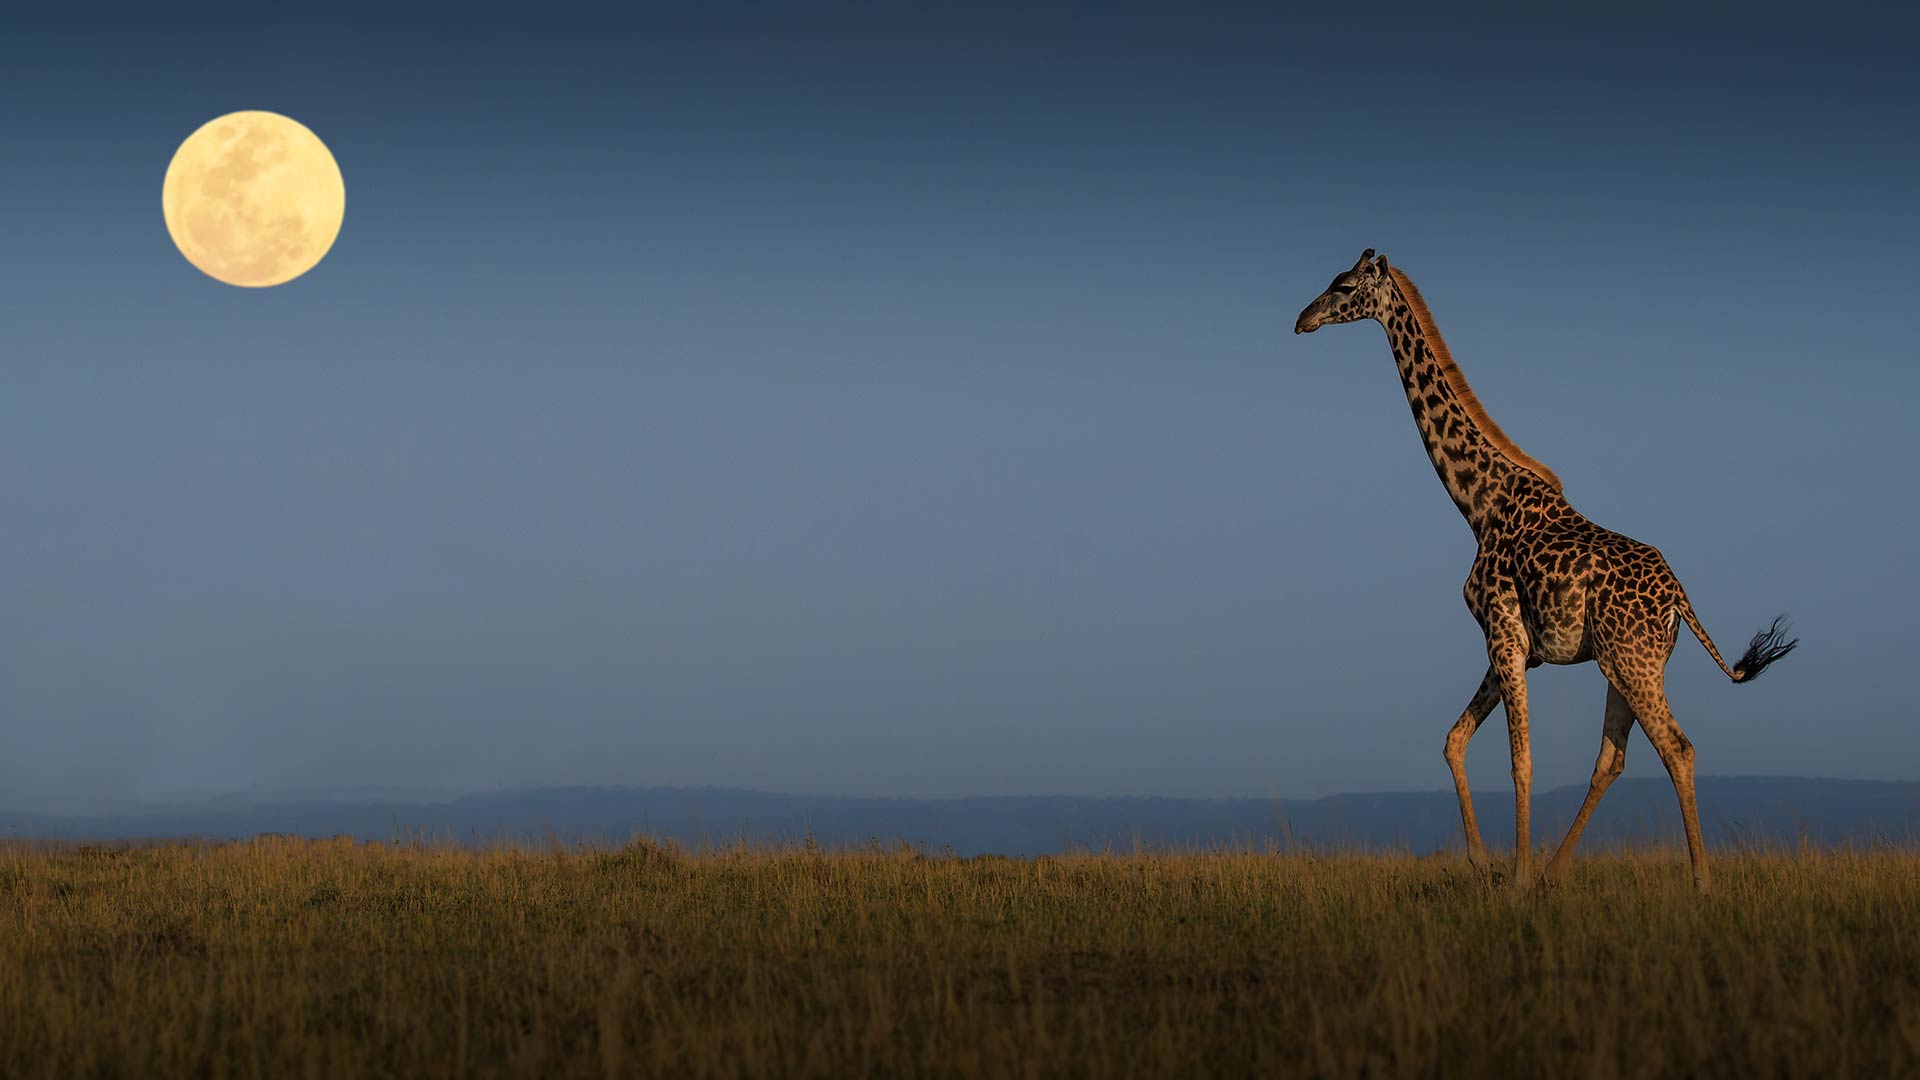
(282, 958)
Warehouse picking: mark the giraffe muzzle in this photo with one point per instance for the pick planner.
(1310, 319)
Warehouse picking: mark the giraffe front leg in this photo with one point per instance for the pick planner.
(1507, 648)
(1461, 734)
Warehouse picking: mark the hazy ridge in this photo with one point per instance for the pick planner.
(1735, 811)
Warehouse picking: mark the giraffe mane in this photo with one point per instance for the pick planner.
(1457, 382)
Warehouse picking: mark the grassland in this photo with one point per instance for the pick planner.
(283, 958)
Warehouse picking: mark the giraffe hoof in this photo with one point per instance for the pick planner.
(1554, 876)
(1525, 880)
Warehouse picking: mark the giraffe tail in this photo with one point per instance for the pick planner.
(1767, 646)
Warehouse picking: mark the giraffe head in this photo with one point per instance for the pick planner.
(1359, 293)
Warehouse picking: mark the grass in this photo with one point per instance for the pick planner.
(284, 958)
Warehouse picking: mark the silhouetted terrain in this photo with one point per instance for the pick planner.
(1735, 811)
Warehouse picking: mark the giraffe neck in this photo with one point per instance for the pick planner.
(1484, 473)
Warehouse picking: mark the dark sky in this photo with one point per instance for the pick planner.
(846, 400)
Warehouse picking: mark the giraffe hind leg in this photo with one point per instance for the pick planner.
(1611, 763)
(1649, 703)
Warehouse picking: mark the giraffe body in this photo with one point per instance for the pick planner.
(1547, 585)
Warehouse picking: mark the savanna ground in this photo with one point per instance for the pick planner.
(283, 958)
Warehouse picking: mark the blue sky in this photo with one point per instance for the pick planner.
(849, 400)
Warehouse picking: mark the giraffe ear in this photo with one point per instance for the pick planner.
(1380, 265)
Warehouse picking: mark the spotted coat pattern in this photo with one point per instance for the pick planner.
(1547, 585)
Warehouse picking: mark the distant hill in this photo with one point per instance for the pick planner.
(1734, 811)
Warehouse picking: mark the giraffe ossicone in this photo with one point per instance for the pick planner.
(1547, 585)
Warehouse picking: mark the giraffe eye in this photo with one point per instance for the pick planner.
(1343, 286)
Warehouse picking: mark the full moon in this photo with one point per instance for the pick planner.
(253, 199)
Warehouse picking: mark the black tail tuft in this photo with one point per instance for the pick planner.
(1767, 646)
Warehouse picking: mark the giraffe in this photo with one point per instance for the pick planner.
(1547, 585)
